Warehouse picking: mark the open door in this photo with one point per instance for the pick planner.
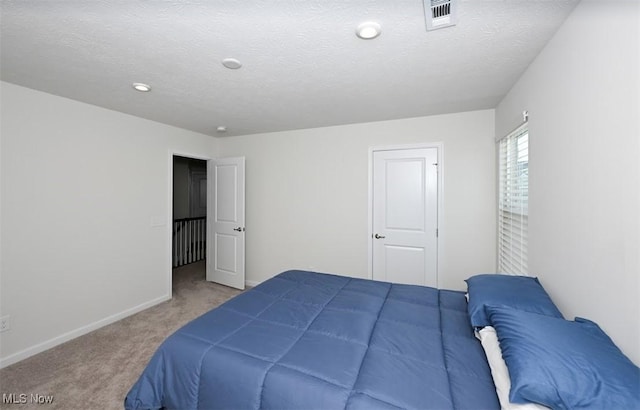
(225, 222)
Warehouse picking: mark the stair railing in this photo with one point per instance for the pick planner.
(189, 240)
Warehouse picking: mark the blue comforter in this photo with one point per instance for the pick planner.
(304, 340)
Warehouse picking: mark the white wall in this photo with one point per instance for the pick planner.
(582, 95)
(307, 194)
(85, 211)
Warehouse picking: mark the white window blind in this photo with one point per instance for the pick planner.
(513, 201)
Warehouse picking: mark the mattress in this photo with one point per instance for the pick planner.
(305, 340)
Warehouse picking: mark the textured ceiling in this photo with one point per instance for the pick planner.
(303, 66)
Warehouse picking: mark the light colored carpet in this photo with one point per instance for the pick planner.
(95, 371)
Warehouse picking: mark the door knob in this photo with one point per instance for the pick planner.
(238, 229)
(379, 236)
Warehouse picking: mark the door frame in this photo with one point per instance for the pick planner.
(439, 146)
(169, 233)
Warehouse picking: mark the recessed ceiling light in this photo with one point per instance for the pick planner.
(141, 87)
(221, 128)
(231, 63)
(368, 30)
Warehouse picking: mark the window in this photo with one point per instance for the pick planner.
(513, 201)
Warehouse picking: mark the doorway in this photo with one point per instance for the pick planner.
(189, 219)
(207, 200)
(404, 201)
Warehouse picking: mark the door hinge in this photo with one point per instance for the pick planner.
(436, 232)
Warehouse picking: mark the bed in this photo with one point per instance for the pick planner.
(304, 340)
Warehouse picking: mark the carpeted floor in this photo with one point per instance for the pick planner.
(97, 370)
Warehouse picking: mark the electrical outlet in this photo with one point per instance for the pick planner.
(5, 324)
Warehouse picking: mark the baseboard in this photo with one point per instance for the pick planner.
(46, 345)
(251, 283)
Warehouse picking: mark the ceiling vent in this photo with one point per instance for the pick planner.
(440, 13)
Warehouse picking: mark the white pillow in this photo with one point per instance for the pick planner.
(499, 371)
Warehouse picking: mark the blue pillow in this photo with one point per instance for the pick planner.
(518, 292)
(563, 364)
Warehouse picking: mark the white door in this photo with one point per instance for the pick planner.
(225, 222)
(405, 216)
